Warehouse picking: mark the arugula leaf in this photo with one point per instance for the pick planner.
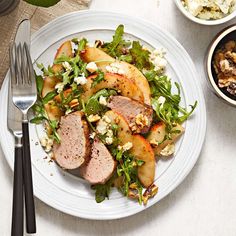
(39, 84)
(127, 58)
(42, 3)
(170, 112)
(98, 79)
(93, 106)
(49, 96)
(102, 191)
(82, 44)
(117, 39)
(37, 120)
(140, 56)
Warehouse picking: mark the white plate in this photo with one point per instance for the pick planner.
(70, 194)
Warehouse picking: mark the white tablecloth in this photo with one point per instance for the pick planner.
(205, 203)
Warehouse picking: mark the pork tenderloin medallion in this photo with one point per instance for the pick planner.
(100, 167)
(74, 148)
(138, 115)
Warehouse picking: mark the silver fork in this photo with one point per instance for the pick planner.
(24, 95)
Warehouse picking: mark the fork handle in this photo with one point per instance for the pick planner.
(28, 181)
(17, 208)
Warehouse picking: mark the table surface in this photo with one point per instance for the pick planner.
(204, 204)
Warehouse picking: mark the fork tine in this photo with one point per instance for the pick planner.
(29, 63)
(24, 67)
(12, 63)
(19, 79)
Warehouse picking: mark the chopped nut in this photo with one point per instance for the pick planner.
(133, 186)
(94, 118)
(154, 143)
(150, 192)
(141, 120)
(133, 193)
(168, 150)
(127, 146)
(98, 43)
(74, 103)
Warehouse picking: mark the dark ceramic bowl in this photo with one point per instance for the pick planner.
(224, 36)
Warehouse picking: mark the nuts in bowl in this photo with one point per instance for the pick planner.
(208, 12)
(221, 64)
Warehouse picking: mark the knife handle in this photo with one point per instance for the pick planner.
(28, 181)
(17, 209)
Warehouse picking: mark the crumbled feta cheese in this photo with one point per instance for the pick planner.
(161, 100)
(115, 68)
(106, 119)
(74, 47)
(168, 150)
(109, 133)
(92, 135)
(194, 7)
(46, 143)
(68, 111)
(67, 65)
(51, 155)
(109, 140)
(94, 118)
(103, 100)
(59, 87)
(102, 127)
(127, 146)
(157, 57)
(81, 79)
(43, 141)
(209, 9)
(91, 67)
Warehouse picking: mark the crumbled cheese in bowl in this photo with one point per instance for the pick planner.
(209, 9)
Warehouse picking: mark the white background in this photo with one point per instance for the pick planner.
(205, 203)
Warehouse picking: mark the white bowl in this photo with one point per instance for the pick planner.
(227, 18)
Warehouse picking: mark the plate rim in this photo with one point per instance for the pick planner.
(197, 84)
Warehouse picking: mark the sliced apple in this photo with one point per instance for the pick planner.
(158, 133)
(53, 112)
(141, 149)
(102, 60)
(49, 84)
(65, 49)
(121, 83)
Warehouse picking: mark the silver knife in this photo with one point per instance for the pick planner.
(14, 122)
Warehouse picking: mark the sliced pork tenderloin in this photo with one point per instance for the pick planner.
(74, 148)
(101, 165)
(138, 115)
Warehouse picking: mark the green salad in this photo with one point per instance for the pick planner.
(125, 101)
